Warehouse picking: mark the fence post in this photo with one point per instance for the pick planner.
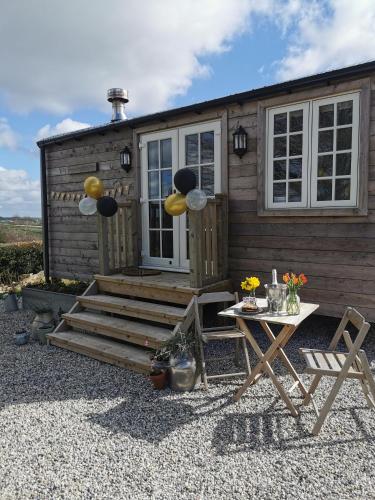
(196, 248)
(103, 245)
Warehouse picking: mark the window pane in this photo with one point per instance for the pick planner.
(154, 243)
(196, 171)
(325, 141)
(191, 149)
(166, 153)
(295, 191)
(166, 183)
(154, 215)
(295, 145)
(207, 179)
(326, 114)
(153, 184)
(279, 147)
(296, 120)
(207, 147)
(324, 190)
(167, 244)
(167, 220)
(153, 155)
(344, 112)
(280, 123)
(295, 168)
(342, 189)
(325, 164)
(279, 192)
(279, 170)
(344, 138)
(343, 163)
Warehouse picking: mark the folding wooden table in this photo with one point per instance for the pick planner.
(275, 350)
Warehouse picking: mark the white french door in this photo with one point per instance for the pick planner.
(165, 238)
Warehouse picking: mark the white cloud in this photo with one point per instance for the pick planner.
(19, 195)
(330, 34)
(66, 125)
(8, 138)
(74, 51)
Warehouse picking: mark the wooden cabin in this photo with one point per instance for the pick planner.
(301, 198)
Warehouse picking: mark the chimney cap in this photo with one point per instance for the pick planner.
(117, 94)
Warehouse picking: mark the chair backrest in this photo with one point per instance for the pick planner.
(211, 298)
(358, 321)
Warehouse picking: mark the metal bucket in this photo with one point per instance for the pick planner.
(182, 372)
(10, 302)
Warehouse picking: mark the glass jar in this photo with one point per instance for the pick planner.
(293, 303)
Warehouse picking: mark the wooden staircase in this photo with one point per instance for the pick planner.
(122, 320)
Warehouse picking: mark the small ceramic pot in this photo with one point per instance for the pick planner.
(22, 337)
(159, 380)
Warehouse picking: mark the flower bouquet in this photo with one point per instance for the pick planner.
(250, 284)
(294, 282)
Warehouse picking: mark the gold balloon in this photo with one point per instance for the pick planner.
(93, 187)
(175, 204)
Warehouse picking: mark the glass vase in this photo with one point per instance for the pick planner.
(293, 303)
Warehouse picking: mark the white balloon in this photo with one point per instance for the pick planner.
(196, 199)
(87, 206)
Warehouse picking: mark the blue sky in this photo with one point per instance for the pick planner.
(58, 71)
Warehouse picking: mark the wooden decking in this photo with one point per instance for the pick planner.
(122, 319)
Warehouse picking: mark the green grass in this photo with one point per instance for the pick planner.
(14, 233)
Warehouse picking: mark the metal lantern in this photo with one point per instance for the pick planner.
(126, 159)
(240, 141)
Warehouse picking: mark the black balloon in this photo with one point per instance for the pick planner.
(185, 180)
(107, 206)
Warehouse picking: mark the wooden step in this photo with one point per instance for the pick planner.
(102, 349)
(119, 328)
(159, 313)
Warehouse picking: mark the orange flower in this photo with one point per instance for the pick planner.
(303, 278)
(286, 277)
(295, 279)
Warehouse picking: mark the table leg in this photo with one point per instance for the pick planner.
(285, 360)
(264, 363)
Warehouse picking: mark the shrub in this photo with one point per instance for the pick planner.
(21, 258)
(62, 286)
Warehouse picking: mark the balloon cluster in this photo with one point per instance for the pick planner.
(95, 201)
(188, 197)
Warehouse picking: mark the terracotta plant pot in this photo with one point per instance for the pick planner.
(159, 380)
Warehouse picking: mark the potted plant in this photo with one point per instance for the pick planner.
(159, 366)
(182, 364)
(43, 319)
(294, 282)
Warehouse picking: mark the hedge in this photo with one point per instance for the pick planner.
(21, 258)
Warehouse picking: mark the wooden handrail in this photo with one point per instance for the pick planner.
(208, 242)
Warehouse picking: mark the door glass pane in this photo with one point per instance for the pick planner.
(344, 138)
(325, 163)
(167, 244)
(167, 220)
(279, 170)
(207, 147)
(153, 184)
(296, 120)
(153, 155)
(279, 192)
(325, 141)
(279, 147)
(342, 189)
(166, 153)
(207, 179)
(154, 214)
(326, 114)
(280, 123)
(344, 113)
(295, 191)
(295, 145)
(191, 149)
(154, 243)
(343, 163)
(325, 190)
(166, 183)
(295, 168)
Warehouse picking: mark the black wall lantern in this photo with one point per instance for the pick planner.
(126, 159)
(240, 141)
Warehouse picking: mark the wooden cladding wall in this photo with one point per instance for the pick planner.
(336, 253)
(74, 237)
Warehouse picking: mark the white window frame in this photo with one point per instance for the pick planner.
(305, 106)
(352, 202)
(310, 153)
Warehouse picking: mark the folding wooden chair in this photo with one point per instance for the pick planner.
(342, 365)
(205, 335)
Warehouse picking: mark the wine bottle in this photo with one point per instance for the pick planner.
(274, 277)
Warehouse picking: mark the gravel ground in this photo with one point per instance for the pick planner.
(74, 428)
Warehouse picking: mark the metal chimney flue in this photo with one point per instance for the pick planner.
(118, 97)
